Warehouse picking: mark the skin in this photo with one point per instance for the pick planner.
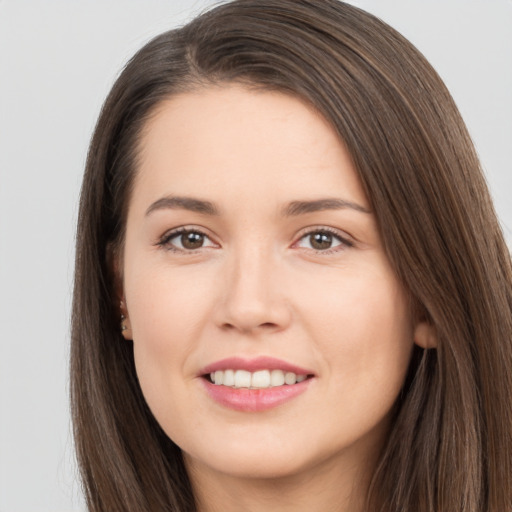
(257, 286)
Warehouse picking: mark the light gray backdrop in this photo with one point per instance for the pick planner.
(57, 62)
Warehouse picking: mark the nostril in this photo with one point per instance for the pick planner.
(266, 326)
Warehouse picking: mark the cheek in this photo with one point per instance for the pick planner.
(167, 311)
(362, 324)
(363, 309)
(165, 306)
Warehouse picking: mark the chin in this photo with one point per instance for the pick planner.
(249, 460)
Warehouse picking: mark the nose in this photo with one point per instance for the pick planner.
(253, 298)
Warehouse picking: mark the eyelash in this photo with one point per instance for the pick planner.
(165, 240)
(344, 242)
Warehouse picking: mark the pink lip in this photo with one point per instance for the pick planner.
(254, 400)
(253, 365)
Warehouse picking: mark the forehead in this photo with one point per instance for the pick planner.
(233, 139)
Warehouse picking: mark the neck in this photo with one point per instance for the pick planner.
(326, 487)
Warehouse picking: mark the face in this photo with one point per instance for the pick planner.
(252, 258)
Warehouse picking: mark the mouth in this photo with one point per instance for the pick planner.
(254, 385)
(261, 379)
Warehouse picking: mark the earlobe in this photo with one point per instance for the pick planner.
(425, 335)
(115, 264)
(126, 329)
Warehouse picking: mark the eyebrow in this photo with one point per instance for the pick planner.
(293, 209)
(303, 207)
(183, 203)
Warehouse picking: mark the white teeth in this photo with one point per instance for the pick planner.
(229, 378)
(260, 379)
(277, 378)
(242, 379)
(290, 378)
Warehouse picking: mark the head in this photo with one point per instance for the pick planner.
(415, 170)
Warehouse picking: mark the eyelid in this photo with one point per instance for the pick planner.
(346, 240)
(164, 240)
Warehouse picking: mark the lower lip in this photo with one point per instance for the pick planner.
(255, 400)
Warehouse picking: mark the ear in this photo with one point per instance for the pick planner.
(115, 264)
(125, 324)
(425, 335)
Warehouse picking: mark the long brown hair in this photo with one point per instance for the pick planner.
(450, 448)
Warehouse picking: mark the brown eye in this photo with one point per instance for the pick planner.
(323, 240)
(192, 240)
(186, 240)
(320, 241)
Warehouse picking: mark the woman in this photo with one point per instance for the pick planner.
(291, 287)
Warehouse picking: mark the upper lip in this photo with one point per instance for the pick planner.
(253, 365)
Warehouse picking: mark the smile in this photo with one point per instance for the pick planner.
(261, 379)
(255, 385)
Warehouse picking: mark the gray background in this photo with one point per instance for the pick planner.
(57, 61)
